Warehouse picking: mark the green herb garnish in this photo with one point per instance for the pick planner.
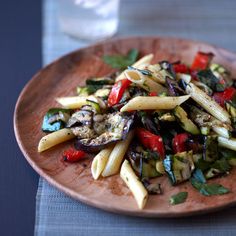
(178, 198)
(209, 189)
(121, 62)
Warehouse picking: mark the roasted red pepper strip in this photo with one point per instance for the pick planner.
(151, 141)
(153, 94)
(72, 155)
(227, 95)
(181, 68)
(179, 142)
(201, 61)
(117, 91)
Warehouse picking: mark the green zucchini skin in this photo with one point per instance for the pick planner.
(184, 121)
(57, 125)
(179, 167)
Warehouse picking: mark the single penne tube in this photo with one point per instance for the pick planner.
(55, 138)
(117, 155)
(153, 103)
(144, 81)
(100, 161)
(208, 103)
(72, 102)
(227, 143)
(140, 64)
(221, 131)
(134, 184)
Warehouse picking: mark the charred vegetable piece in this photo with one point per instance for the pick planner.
(149, 168)
(103, 92)
(179, 167)
(178, 198)
(219, 167)
(100, 81)
(210, 148)
(165, 65)
(231, 108)
(94, 105)
(114, 127)
(201, 61)
(81, 117)
(207, 77)
(229, 155)
(143, 161)
(185, 123)
(220, 72)
(82, 91)
(152, 188)
(55, 119)
(173, 87)
(148, 122)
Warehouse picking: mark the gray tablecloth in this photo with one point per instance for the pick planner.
(210, 21)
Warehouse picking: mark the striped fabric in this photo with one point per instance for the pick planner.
(210, 21)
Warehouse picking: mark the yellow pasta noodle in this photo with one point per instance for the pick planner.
(134, 184)
(116, 156)
(153, 103)
(144, 81)
(227, 143)
(140, 64)
(55, 138)
(100, 161)
(208, 103)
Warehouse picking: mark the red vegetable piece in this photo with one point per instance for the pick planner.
(226, 95)
(72, 155)
(202, 61)
(179, 142)
(181, 68)
(117, 91)
(151, 141)
(153, 94)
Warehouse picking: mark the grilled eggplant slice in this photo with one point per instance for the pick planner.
(81, 117)
(110, 128)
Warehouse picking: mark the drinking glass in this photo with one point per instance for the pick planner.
(89, 19)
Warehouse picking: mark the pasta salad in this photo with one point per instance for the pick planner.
(151, 119)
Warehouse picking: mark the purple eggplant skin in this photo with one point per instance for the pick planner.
(173, 87)
(105, 139)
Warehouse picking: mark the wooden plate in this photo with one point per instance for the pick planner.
(60, 78)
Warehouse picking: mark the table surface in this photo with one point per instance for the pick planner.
(20, 57)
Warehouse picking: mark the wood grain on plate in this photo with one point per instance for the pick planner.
(60, 78)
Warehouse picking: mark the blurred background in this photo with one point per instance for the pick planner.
(30, 38)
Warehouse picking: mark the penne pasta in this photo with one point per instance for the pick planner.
(55, 138)
(100, 161)
(117, 155)
(208, 103)
(72, 102)
(140, 64)
(134, 184)
(227, 143)
(144, 81)
(153, 103)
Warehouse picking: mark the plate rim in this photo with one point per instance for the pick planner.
(71, 193)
